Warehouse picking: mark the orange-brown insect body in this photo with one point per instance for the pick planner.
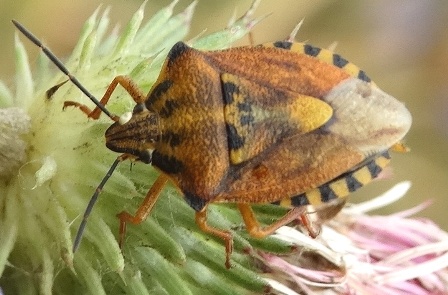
(284, 123)
(217, 118)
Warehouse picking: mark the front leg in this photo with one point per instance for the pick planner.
(134, 91)
(144, 209)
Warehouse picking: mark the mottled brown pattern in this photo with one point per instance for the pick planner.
(279, 69)
(259, 125)
(236, 110)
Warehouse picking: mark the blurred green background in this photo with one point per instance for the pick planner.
(401, 44)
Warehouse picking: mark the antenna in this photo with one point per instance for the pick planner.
(50, 92)
(61, 67)
(92, 202)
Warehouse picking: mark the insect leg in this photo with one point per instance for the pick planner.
(201, 221)
(257, 231)
(306, 222)
(144, 209)
(134, 91)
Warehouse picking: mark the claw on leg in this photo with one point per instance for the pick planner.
(144, 209)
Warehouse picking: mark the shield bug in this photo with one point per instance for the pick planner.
(284, 123)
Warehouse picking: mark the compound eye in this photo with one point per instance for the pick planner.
(125, 118)
(140, 107)
(145, 156)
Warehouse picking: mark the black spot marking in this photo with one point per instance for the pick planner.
(276, 203)
(168, 108)
(229, 88)
(244, 107)
(339, 61)
(311, 50)
(167, 164)
(246, 120)
(374, 169)
(362, 76)
(195, 201)
(158, 91)
(299, 200)
(177, 50)
(283, 45)
(171, 138)
(234, 139)
(326, 193)
(352, 183)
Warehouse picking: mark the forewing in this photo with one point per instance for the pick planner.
(291, 167)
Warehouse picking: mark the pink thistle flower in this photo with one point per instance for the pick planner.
(361, 254)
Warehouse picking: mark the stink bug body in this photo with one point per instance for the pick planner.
(284, 123)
